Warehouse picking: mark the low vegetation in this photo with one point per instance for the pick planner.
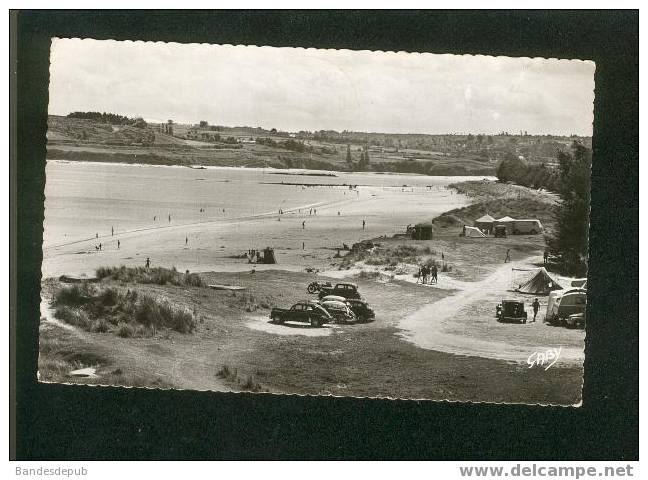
(129, 314)
(158, 276)
(388, 255)
(246, 384)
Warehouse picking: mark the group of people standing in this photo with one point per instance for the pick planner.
(428, 274)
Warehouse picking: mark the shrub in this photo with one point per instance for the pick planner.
(251, 385)
(226, 372)
(157, 275)
(73, 316)
(100, 326)
(125, 330)
(75, 296)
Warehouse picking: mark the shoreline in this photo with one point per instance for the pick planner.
(270, 169)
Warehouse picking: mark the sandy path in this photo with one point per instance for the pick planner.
(432, 326)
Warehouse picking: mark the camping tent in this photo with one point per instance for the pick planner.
(473, 232)
(485, 223)
(540, 283)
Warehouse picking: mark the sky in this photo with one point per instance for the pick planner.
(296, 89)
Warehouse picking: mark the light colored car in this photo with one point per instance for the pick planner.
(333, 298)
(340, 311)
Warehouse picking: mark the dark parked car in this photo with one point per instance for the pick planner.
(362, 310)
(346, 290)
(511, 311)
(306, 311)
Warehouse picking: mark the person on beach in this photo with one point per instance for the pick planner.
(148, 262)
(303, 224)
(420, 275)
(186, 240)
(363, 224)
(99, 246)
(303, 245)
(154, 218)
(435, 273)
(96, 235)
(536, 307)
(310, 212)
(508, 256)
(118, 244)
(169, 217)
(545, 256)
(425, 271)
(112, 231)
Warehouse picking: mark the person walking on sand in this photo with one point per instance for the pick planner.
(363, 224)
(99, 246)
(154, 218)
(148, 262)
(536, 307)
(112, 231)
(186, 240)
(118, 244)
(545, 256)
(435, 273)
(96, 235)
(169, 217)
(303, 224)
(508, 256)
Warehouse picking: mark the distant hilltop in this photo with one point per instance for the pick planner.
(94, 136)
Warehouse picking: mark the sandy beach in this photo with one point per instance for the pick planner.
(240, 211)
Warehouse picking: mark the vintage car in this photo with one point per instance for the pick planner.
(340, 311)
(576, 320)
(306, 311)
(334, 298)
(511, 311)
(500, 231)
(346, 290)
(570, 302)
(361, 309)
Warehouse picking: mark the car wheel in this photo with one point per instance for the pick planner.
(315, 322)
(533, 232)
(278, 320)
(311, 288)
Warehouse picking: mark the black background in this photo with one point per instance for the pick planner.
(78, 422)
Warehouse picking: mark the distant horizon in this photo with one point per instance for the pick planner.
(294, 89)
(512, 134)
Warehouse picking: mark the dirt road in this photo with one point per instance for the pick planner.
(445, 326)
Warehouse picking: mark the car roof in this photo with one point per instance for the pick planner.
(348, 283)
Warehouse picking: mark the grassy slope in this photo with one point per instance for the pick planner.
(80, 139)
(499, 200)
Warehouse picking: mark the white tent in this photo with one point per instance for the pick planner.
(485, 223)
(507, 222)
(473, 232)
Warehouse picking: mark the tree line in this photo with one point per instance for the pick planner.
(571, 180)
(110, 118)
